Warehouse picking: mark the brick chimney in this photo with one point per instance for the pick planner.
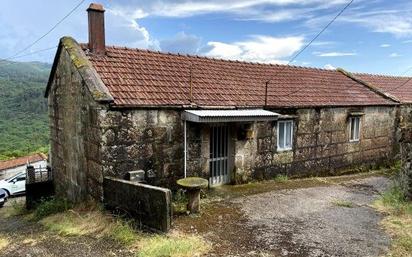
(97, 43)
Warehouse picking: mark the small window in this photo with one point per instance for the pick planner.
(354, 129)
(285, 135)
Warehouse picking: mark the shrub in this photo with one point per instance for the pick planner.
(51, 206)
(395, 200)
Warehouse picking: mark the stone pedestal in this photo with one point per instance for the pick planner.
(193, 206)
(193, 185)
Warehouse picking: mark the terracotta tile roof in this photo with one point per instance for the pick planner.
(146, 78)
(22, 161)
(400, 87)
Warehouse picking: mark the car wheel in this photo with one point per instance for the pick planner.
(7, 193)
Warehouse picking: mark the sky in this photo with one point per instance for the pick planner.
(373, 36)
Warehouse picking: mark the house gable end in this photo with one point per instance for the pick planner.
(98, 90)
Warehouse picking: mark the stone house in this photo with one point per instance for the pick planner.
(12, 167)
(114, 110)
(399, 89)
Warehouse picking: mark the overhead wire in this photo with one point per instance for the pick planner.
(18, 53)
(307, 45)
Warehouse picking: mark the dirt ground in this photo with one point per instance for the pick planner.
(328, 218)
(309, 217)
(30, 239)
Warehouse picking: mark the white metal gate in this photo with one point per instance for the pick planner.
(219, 157)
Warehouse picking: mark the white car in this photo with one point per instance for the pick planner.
(14, 185)
(3, 197)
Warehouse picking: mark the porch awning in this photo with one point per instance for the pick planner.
(209, 116)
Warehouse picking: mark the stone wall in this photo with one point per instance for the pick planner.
(75, 135)
(149, 140)
(91, 140)
(404, 179)
(321, 143)
(151, 206)
(153, 140)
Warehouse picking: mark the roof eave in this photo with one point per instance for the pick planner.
(97, 88)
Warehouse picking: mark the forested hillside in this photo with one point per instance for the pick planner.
(23, 109)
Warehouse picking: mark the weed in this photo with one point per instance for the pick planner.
(398, 222)
(394, 201)
(51, 206)
(281, 178)
(95, 223)
(174, 246)
(17, 209)
(75, 223)
(179, 203)
(343, 203)
(124, 233)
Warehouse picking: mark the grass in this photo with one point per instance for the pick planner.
(281, 178)
(4, 242)
(123, 232)
(398, 222)
(343, 203)
(50, 206)
(18, 208)
(174, 246)
(97, 223)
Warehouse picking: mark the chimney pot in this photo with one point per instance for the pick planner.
(97, 43)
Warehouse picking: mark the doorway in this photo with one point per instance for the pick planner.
(219, 155)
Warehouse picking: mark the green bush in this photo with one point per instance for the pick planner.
(281, 178)
(395, 199)
(51, 206)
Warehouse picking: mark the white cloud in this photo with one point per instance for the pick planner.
(259, 48)
(334, 54)
(394, 55)
(20, 27)
(223, 50)
(262, 10)
(329, 67)
(392, 21)
(191, 8)
(385, 45)
(181, 43)
(122, 28)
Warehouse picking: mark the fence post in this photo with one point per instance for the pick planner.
(31, 175)
(49, 173)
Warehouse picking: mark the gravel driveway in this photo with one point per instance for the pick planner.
(319, 221)
(305, 218)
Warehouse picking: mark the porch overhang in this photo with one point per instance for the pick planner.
(213, 116)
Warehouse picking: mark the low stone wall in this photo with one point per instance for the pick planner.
(150, 205)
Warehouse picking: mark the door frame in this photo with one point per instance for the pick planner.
(214, 156)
